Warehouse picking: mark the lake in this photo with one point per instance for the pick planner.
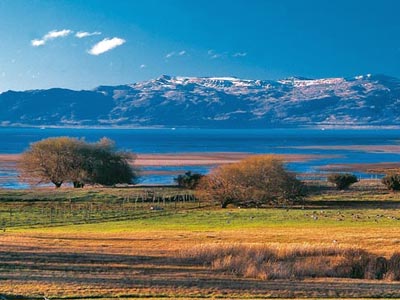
(337, 146)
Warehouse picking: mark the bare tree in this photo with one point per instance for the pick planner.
(65, 159)
(49, 160)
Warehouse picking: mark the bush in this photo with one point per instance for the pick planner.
(376, 268)
(394, 267)
(254, 181)
(342, 181)
(392, 181)
(188, 180)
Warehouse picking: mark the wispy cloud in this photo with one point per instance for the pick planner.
(176, 53)
(106, 45)
(51, 35)
(214, 55)
(169, 55)
(83, 34)
(239, 54)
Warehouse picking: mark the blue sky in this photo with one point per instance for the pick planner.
(83, 44)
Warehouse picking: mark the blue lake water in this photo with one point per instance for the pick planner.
(279, 141)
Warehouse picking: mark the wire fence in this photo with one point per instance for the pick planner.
(146, 203)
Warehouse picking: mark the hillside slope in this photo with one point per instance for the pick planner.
(215, 102)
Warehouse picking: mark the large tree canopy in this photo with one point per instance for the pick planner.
(65, 159)
(253, 181)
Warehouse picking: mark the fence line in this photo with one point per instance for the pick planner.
(61, 212)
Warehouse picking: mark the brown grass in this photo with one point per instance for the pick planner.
(153, 264)
(286, 262)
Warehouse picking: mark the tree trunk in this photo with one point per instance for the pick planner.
(57, 183)
(225, 203)
(78, 184)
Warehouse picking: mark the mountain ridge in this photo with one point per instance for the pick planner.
(212, 102)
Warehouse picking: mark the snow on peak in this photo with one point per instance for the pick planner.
(223, 78)
(361, 77)
(304, 82)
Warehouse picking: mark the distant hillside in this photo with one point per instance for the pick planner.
(213, 103)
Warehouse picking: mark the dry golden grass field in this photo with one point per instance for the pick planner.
(156, 253)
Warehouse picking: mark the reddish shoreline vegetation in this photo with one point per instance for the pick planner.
(9, 161)
(379, 168)
(365, 148)
(191, 159)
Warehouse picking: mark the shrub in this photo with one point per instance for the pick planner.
(392, 181)
(342, 181)
(254, 181)
(394, 267)
(376, 268)
(188, 180)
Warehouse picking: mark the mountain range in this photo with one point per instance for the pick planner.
(212, 102)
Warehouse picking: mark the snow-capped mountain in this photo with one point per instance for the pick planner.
(216, 102)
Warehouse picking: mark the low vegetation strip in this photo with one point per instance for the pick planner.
(294, 262)
(44, 208)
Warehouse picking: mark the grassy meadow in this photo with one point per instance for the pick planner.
(107, 243)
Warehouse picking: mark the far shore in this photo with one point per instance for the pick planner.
(317, 126)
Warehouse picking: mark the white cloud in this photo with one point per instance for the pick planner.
(142, 66)
(106, 45)
(37, 43)
(169, 55)
(51, 35)
(216, 56)
(176, 53)
(240, 54)
(56, 34)
(83, 34)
